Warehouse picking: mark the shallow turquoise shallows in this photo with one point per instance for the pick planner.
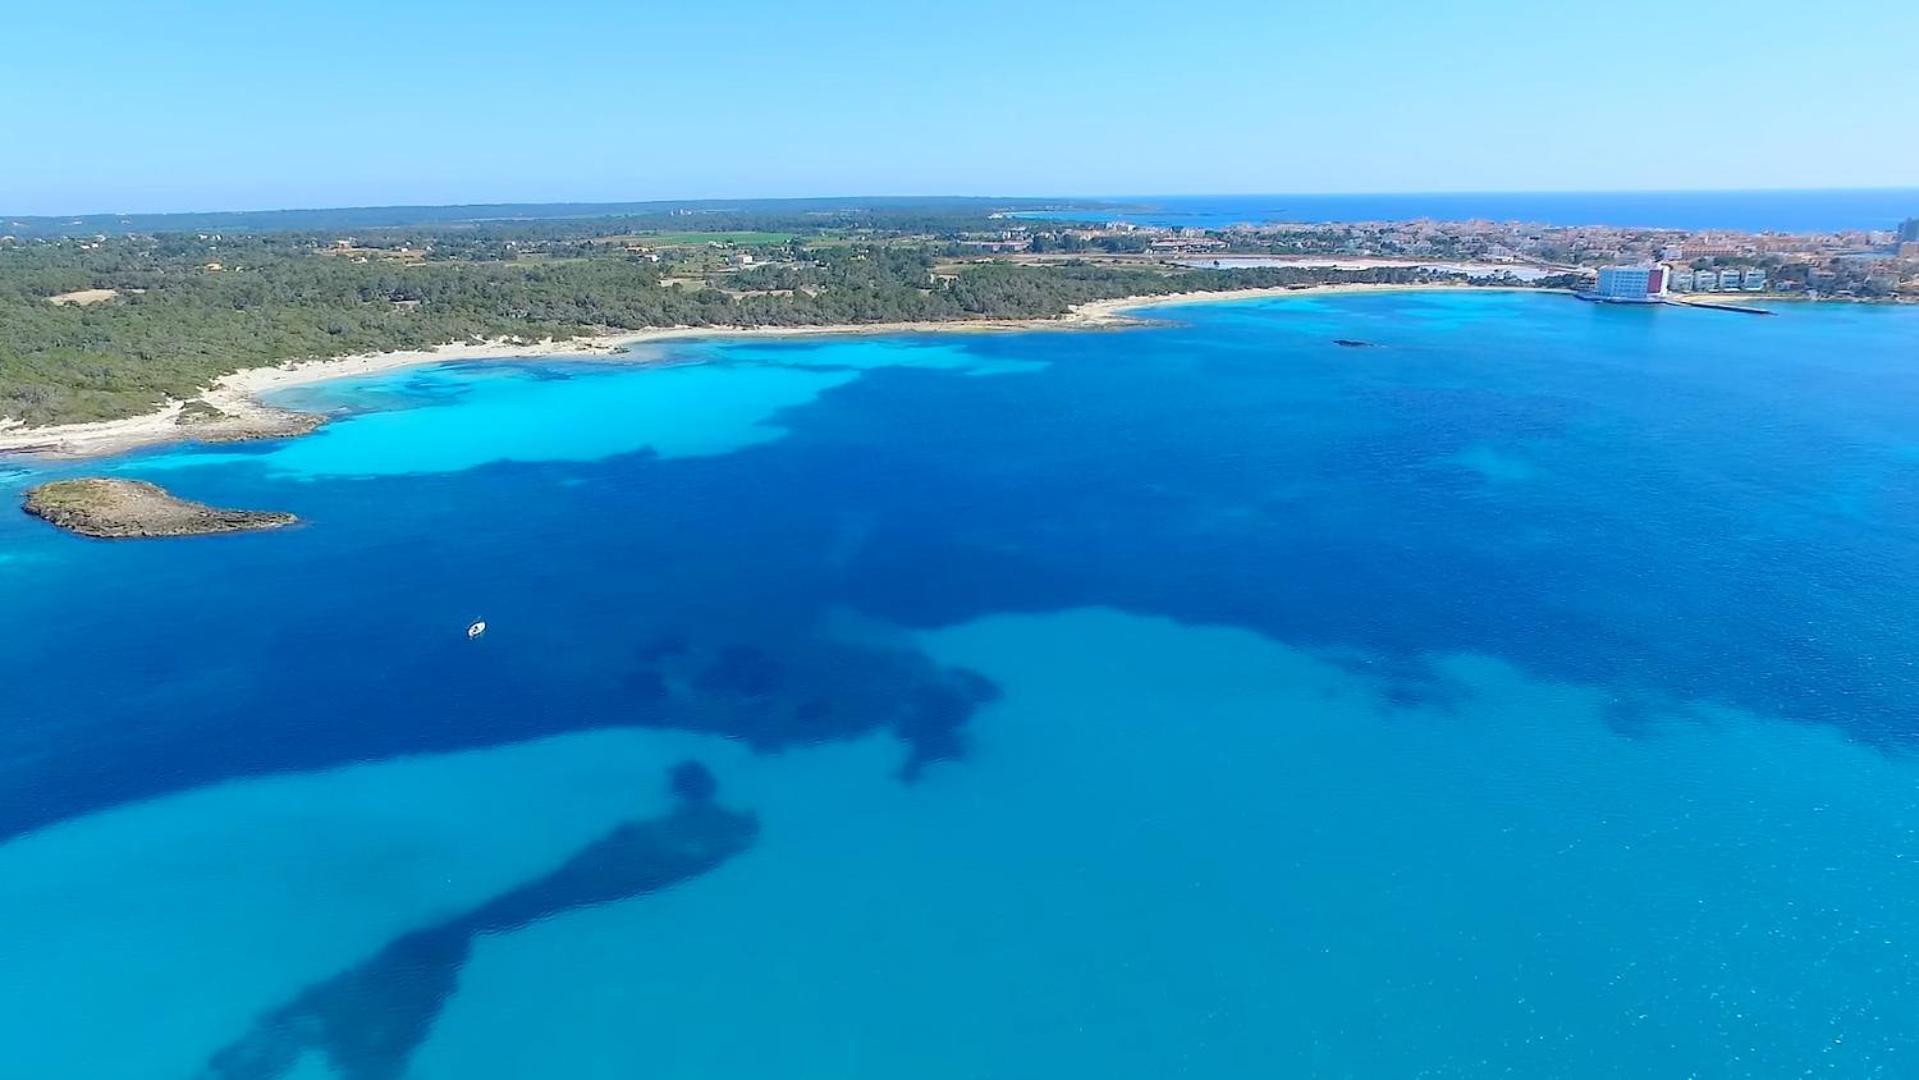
(1530, 694)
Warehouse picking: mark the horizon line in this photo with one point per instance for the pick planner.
(1105, 197)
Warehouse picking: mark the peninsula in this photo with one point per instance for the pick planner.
(112, 509)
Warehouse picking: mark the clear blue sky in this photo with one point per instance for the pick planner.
(212, 104)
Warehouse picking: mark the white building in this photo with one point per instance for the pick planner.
(1639, 283)
(1753, 280)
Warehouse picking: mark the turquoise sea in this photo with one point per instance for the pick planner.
(1530, 694)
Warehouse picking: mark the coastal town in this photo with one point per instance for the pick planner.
(1598, 261)
(1848, 265)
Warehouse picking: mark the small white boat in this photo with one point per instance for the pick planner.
(478, 628)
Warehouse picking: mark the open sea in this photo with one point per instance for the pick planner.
(1743, 211)
(1531, 694)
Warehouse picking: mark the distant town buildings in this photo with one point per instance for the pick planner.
(1186, 242)
(1705, 249)
(1650, 284)
(1728, 279)
(1019, 243)
(1909, 231)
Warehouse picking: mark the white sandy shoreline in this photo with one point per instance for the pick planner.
(239, 393)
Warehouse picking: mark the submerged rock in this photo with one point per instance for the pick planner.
(1355, 343)
(368, 1020)
(111, 509)
(779, 693)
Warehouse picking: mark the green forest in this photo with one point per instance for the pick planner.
(188, 307)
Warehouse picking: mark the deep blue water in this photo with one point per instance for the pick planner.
(1746, 211)
(1532, 694)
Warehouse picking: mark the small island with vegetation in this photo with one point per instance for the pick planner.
(113, 509)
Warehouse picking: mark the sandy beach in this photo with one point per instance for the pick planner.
(239, 394)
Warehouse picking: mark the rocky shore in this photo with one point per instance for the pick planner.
(110, 509)
(203, 421)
